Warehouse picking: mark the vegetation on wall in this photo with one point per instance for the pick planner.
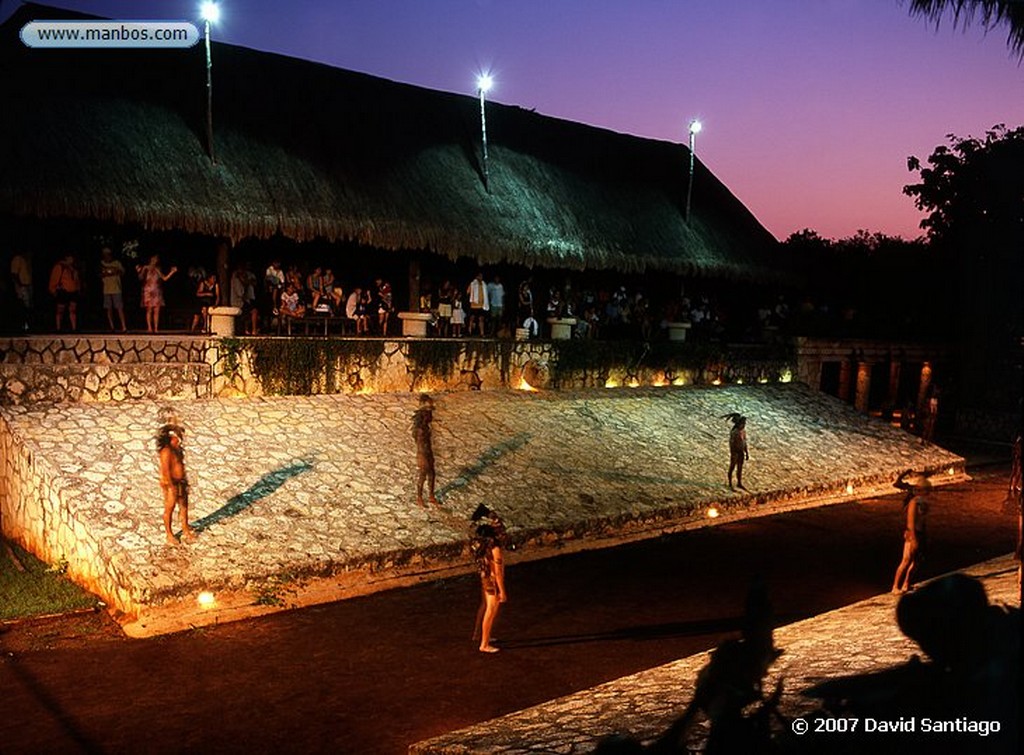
(433, 358)
(305, 366)
(593, 361)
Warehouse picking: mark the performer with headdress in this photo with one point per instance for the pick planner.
(738, 452)
(173, 480)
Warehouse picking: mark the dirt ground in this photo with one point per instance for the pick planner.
(374, 674)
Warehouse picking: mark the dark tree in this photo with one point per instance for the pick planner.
(973, 193)
(991, 13)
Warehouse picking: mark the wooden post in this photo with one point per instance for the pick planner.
(224, 271)
(414, 284)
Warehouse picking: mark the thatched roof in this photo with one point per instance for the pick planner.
(310, 151)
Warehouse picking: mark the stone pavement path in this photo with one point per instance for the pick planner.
(857, 639)
(307, 499)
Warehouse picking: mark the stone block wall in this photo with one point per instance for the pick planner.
(55, 369)
(39, 510)
(49, 370)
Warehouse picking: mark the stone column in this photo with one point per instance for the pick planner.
(860, 402)
(844, 380)
(923, 386)
(893, 392)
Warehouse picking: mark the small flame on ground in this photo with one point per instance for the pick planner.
(712, 512)
(524, 386)
(849, 488)
(205, 599)
(609, 383)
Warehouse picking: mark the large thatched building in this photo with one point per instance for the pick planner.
(305, 151)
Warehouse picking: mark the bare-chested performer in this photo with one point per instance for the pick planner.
(915, 530)
(173, 481)
(421, 420)
(738, 452)
(491, 567)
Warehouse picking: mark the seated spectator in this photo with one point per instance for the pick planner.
(290, 304)
(315, 286)
(332, 289)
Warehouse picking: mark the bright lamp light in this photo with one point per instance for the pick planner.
(695, 126)
(484, 82)
(210, 11)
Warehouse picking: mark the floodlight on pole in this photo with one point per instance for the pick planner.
(695, 128)
(484, 82)
(210, 13)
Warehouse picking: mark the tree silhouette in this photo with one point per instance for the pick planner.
(991, 13)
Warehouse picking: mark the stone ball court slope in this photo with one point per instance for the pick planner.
(300, 500)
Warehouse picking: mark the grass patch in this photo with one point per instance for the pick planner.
(37, 591)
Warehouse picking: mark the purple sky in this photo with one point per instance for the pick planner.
(810, 107)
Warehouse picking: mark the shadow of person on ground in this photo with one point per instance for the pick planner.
(964, 698)
(261, 489)
(728, 694)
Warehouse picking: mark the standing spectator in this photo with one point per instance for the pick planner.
(273, 282)
(243, 295)
(385, 304)
(444, 307)
(476, 293)
(21, 277)
(207, 295)
(458, 315)
(66, 288)
(352, 307)
(111, 273)
(555, 307)
(491, 568)
(496, 298)
(153, 290)
(525, 301)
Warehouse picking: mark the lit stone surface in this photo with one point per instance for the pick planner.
(857, 639)
(322, 489)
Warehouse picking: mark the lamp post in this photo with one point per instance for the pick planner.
(210, 13)
(483, 83)
(695, 127)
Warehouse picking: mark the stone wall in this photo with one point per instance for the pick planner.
(48, 370)
(55, 369)
(39, 509)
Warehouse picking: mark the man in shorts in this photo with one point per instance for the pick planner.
(111, 272)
